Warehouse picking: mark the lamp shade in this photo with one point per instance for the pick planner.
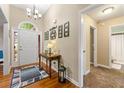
(53, 42)
(49, 45)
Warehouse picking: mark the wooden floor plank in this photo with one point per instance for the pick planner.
(100, 77)
(45, 83)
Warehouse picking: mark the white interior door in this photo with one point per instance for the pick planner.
(117, 48)
(28, 47)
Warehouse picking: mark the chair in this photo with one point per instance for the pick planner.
(1, 56)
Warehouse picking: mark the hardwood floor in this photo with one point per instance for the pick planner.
(45, 83)
(4, 80)
(98, 78)
(1, 70)
(104, 78)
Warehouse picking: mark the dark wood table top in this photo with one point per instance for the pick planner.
(50, 55)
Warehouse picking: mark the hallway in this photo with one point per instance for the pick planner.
(104, 78)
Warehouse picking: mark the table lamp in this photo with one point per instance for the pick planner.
(49, 46)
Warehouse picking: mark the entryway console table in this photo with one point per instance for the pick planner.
(49, 58)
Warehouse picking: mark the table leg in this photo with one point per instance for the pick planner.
(39, 62)
(58, 65)
(50, 68)
(46, 64)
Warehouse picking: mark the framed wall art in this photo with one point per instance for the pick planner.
(46, 35)
(60, 31)
(66, 29)
(53, 33)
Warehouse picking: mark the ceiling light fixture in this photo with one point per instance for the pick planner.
(108, 10)
(33, 13)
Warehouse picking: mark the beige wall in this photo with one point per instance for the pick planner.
(103, 39)
(18, 15)
(68, 46)
(88, 21)
(1, 37)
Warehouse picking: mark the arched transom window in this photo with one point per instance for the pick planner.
(27, 26)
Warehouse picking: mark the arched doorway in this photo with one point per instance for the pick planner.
(27, 30)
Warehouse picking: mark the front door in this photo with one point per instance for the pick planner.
(28, 47)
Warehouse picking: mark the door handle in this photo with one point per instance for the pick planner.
(20, 49)
(84, 51)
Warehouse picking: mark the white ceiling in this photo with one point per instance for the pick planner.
(41, 7)
(98, 15)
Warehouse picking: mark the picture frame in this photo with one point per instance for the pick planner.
(60, 31)
(66, 29)
(46, 35)
(53, 34)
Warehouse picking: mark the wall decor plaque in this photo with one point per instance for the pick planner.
(53, 33)
(66, 29)
(60, 31)
(46, 35)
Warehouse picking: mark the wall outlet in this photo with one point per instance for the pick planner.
(54, 62)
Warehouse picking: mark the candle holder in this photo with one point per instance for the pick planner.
(62, 74)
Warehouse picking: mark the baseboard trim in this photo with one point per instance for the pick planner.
(68, 78)
(36, 63)
(73, 81)
(87, 72)
(104, 66)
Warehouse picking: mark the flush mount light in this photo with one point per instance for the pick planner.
(108, 10)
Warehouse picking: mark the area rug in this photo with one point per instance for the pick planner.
(25, 76)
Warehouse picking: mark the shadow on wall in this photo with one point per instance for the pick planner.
(69, 72)
(68, 69)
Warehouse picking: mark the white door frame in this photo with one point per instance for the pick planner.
(110, 32)
(95, 44)
(12, 42)
(6, 49)
(80, 42)
(12, 39)
(12, 48)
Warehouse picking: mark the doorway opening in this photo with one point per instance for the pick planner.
(22, 48)
(84, 51)
(109, 46)
(92, 46)
(117, 47)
